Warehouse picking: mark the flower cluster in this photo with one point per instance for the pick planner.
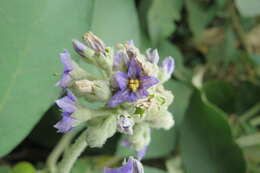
(129, 87)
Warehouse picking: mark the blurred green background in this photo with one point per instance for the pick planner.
(216, 45)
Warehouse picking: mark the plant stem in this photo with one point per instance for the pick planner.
(59, 148)
(72, 154)
(251, 112)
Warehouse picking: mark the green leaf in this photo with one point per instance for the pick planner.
(222, 94)
(5, 169)
(148, 169)
(34, 33)
(206, 143)
(248, 8)
(160, 18)
(116, 21)
(24, 167)
(198, 18)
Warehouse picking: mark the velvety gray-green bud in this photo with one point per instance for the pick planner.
(102, 129)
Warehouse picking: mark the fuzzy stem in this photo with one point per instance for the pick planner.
(72, 154)
(59, 148)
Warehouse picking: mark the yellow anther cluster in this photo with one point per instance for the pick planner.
(133, 84)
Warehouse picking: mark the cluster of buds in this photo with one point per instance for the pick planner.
(130, 88)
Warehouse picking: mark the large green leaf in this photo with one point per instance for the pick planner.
(160, 18)
(33, 33)
(248, 8)
(116, 21)
(206, 142)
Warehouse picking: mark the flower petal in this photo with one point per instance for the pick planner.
(65, 124)
(64, 81)
(137, 166)
(66, 60)
(120, 97)
(141, 93)
(67, 104)
(121, 79)
(134, 70)
(133, 97)
(148, 81)
(126, 168)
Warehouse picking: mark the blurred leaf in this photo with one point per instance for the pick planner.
(5, 169)
(116, 21)
(34, 34)
(198, 18)
(222, 94)
(148, 169)
(206, 142)
(24, 167)
(160, 18)
(167, 49)
(247, 96)
(248, 8)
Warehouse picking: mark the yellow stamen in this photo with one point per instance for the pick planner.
(133, 84)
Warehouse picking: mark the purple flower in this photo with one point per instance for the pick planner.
(125, 125)
(168, 65)
(132, 86)
(67, 62)
(79, 47)
(152, 56)
(68, 106)
(132, 166)
(120, 60)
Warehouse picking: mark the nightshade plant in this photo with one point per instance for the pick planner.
(133, 99)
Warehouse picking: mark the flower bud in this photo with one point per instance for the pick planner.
(167, 68)
(152, 56)
(125, 124)
(100, 131)
(83, 50)
(94, 43)
(162, 119)
(96, 90)
(141, 136)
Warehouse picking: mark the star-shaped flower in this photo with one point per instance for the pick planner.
(132, 85)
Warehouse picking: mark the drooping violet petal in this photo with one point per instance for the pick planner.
(121, 60)
(152, 55)
(137, 166)
(134, 70)
(71, 96)
(132, 97)
(125, 125)
(168, 65)
(126, 168)
(148, 81)
(79, 47)
(120, 97)
(64, 81)
(66, 60)
(65, 124)
(121, 79)
(67, 104)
